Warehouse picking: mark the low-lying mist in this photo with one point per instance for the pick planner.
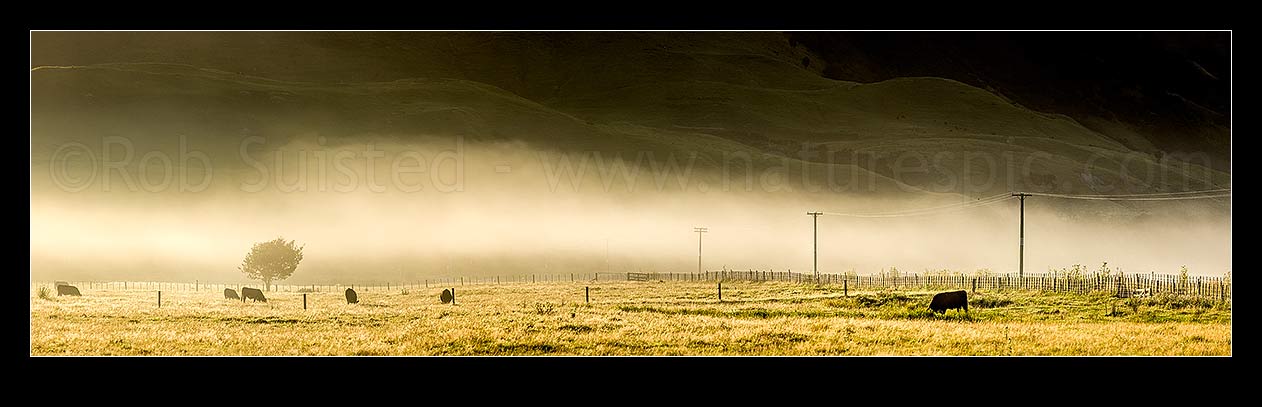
(467, 208)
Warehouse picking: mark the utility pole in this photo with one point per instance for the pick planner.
(699, 232)
(1021, 253)
(815, 219)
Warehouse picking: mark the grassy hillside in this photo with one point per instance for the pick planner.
(843, 127)
(151, 105)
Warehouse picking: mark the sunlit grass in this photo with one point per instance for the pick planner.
(626, 319)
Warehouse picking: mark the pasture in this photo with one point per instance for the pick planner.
(626, 318)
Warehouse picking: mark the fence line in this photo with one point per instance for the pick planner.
(1126, 285)
(440, 282)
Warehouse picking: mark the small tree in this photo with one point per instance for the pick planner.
(272, 260)
(1077, 271)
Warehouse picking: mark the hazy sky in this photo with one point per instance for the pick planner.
(508, 215)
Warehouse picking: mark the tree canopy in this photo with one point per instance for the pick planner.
(272, 260)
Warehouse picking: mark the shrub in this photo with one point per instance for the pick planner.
(44, 293)
(1104, 269)
(545, 308)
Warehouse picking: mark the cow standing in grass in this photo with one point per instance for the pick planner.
(66, 289)
(948, 300)
(230, 294)
(351, 297)
(255, 294)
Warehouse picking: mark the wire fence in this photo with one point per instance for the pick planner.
(443, 282)
(1123, 286)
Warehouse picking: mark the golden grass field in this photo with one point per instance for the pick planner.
(625, 318)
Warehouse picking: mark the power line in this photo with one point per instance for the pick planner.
(1155, 194)
(928, 211)
(1161, 196)
(1133, 197)
(925, 210)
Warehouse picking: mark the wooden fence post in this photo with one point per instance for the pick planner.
(453, 296)
(720, 291)
(304, 301)
(974, 285)
(159, 299)
(845, 288)
(587, 295)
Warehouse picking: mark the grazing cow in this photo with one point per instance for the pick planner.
(948, 300)
(66, 289)
(351, 298)
(446, 297)
(255, 294)
(57, 283)
(230, 294)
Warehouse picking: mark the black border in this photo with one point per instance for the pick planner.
(673, 16)
(794, 373)
(985, 374)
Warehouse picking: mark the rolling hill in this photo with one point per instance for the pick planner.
(708, 94)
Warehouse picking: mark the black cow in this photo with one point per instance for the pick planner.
(446, 296)
(230, 294)
(948, 300)
(255, 294)
(351, 298)
(66, 289)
